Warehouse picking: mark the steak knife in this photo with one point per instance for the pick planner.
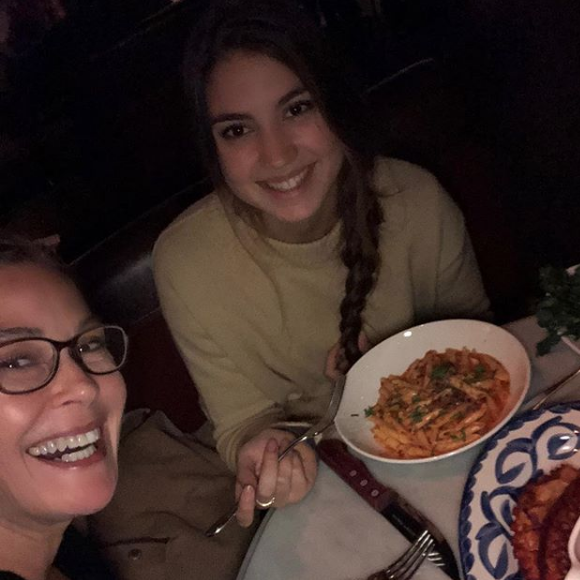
(403, 516)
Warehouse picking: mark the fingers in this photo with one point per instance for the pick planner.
(363, 342)
(246, 504)
(296, 475)
(275, 481)
(304, 470)
(256, 461)
(261, 479)
(308, 463)
(284, 480)
(268, 479)
(330, 370)
(246, 472)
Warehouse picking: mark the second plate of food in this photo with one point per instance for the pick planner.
(532, 461)
(433, 391)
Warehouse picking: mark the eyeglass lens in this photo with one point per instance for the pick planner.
(101, 350)
(28, 364)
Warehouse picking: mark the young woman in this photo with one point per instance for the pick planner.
(61, 402)
(310, 247)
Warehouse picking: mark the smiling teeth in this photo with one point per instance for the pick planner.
(71, 442)
(289, 184)
(78, 455)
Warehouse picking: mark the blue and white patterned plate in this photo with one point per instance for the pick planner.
(530, 445)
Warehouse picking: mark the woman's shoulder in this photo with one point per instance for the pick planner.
(411, 193)
(395, 177)
(195, 232)
(193, 222)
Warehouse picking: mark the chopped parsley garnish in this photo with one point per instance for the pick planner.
(369, 411)
(461, 437)
(417, 415)
(479, 371)
(441, 371)
(477, 375)
(415, 399)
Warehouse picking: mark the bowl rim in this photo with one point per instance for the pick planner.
(472, 322)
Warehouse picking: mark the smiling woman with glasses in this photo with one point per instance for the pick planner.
(61, 403)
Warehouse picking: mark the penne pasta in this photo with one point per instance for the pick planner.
(443, 401)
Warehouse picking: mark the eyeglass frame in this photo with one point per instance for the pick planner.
(59, 346)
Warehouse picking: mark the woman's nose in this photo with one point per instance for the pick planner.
(71, 383)
(277, 147)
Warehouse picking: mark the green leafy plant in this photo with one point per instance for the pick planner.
(559, 309)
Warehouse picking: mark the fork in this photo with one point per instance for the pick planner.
(405, 567)
(325, 422)
(536, 402)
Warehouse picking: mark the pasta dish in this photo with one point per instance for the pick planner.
(443, 401)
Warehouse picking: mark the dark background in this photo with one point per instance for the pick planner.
(94, 129)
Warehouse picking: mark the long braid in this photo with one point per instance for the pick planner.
(361, 218)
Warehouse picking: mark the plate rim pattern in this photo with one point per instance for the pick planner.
(466, 555)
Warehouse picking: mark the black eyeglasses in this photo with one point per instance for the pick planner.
(28, 364)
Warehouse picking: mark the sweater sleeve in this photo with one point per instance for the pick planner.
(460, 291)
(235, 406)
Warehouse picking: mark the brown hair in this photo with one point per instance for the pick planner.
(283, 32)
(16, 250)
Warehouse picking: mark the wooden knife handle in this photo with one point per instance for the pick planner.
(355, 473)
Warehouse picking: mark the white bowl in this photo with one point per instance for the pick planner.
(395, 354)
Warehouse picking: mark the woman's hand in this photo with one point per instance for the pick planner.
(261, 478)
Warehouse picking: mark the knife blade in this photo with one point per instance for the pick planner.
(400, 513)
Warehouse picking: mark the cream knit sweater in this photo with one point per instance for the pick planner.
(254, 318)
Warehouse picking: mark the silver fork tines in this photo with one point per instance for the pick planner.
(405, 567)
(436, 558)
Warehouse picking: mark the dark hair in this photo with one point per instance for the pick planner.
(16, 250)
(282, 31)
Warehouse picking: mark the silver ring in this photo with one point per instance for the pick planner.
(265, 504)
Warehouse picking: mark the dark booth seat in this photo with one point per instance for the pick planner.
(116, 277)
